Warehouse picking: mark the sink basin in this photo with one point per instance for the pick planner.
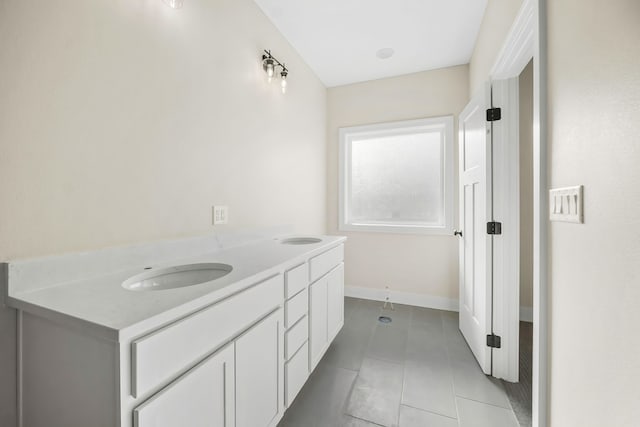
(300, 241)
(176, 277)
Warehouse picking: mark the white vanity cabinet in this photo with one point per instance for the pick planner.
(296, 369)
(238, 386)
(326, 301)
(219, 366)
(314, 314)
(235, 357)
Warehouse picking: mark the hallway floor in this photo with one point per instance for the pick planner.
(519, 393)
(414, 372)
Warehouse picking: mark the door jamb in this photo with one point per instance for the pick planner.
(506, 247)
(527, 39)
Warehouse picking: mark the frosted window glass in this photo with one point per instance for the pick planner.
(397, 179)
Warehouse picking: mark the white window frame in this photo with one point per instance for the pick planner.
(346, 136)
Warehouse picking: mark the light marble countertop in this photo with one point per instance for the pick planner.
(97, 302)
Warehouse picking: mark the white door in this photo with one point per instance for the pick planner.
(475, 211)
(203, 397)
(259, 360)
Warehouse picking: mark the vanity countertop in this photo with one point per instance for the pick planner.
(96, 301)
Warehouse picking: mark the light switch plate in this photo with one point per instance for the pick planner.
(566, 204)
(220, 215)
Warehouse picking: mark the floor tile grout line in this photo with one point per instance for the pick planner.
(440, 327)
(338, 367)
(431, 412)
(453, 383)
(484, 403)
(478, 366)
(404, 367)
(365, 420)
(346, 401)
(353, 384)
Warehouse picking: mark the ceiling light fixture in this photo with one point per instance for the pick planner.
(174, 4)
(269, 64)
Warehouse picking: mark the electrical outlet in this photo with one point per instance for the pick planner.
(220, 215)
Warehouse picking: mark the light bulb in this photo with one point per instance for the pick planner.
(283, 81)
(269, 66)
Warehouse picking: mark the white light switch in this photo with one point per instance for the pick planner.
(565, 204)
(220, 215)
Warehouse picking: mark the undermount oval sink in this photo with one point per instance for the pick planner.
(176, 277)
(300, 241)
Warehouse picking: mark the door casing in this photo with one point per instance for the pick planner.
(526, 40)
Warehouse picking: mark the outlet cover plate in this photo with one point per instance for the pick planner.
(220, 215)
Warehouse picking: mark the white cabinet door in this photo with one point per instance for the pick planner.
(296, 373)
(259, 362)
(318, 332)
(335, 300)
(203, 397)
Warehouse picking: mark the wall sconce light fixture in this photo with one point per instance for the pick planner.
(174, 4)
(270, 65)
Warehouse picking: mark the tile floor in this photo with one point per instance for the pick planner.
(414, 372)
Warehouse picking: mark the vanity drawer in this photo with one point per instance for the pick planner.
(166, 352)
(296, 280)
(323, 263)
(295, 308)
(296, 372)
(295, 337)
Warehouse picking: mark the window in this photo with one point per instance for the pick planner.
(397, 177)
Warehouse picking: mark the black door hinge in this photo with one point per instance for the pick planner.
(494, 227)
(493, 341)
(494, 114)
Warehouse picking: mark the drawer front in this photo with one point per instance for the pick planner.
(323, 263)
(296, 372)
(295, 308)
(295, 337)
(296, 280)
(159, 356)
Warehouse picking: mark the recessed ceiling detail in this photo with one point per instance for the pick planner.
(337, 38)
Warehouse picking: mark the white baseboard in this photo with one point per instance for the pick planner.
(419, 300)
(408, 298)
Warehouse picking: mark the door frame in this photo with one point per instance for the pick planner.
(506, 247)
(526, 40)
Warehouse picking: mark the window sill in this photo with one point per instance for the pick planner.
(398, 229)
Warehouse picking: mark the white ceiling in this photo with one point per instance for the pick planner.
(339, 38)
